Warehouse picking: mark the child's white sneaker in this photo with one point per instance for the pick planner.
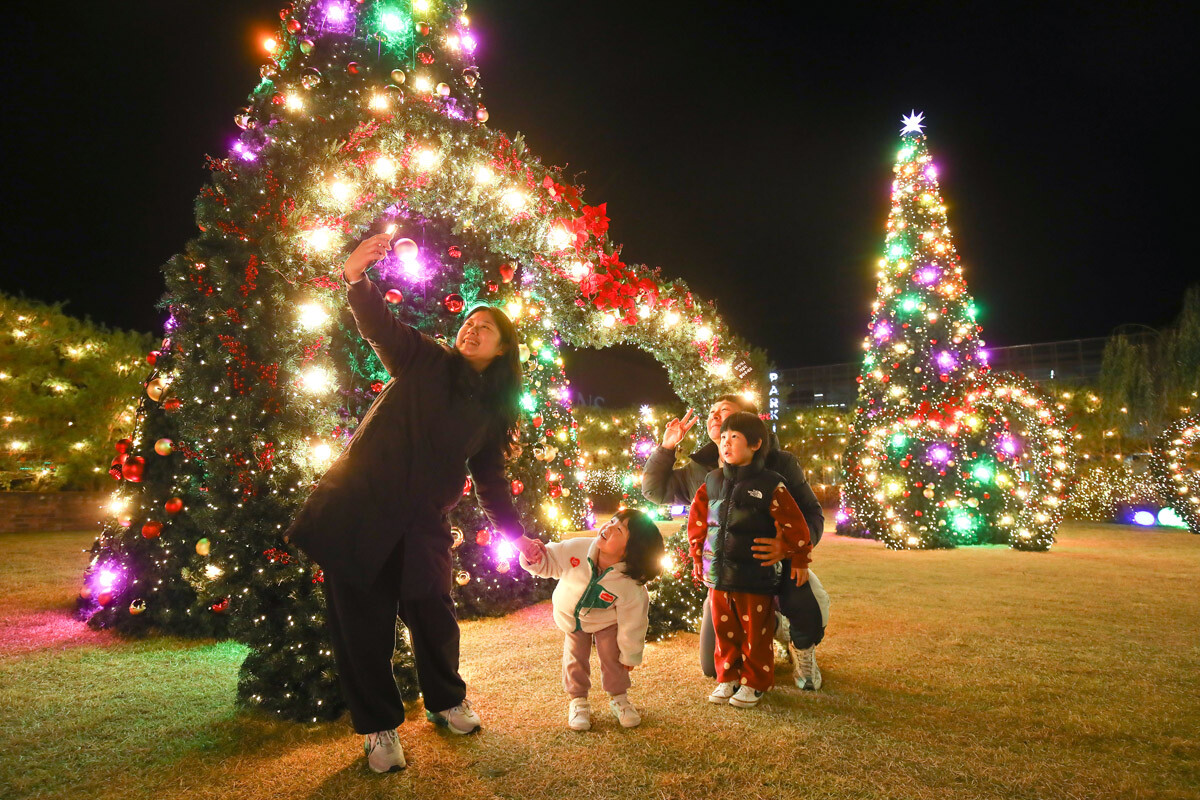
(384, 753)
(746, 697)
(579, 715)
(723, 692)
(461, 719)
(627, 715)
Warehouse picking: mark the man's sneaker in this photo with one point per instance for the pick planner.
(627, 715)
(579, 715)
(746, 697)
(783, 637)
(723, 692)
(460, 719)
(384, 753)
(805, 669)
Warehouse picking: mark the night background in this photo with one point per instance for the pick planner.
(745, 148)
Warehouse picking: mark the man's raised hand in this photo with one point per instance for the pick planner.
(674, 432)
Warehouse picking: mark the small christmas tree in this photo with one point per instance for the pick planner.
(942, 452)
(368, 117)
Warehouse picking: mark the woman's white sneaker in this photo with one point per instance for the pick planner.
(626, 714)
(384, 753)
(461, 719)
(723, 692)
(805, 671)
(579, 714)
(746, 697)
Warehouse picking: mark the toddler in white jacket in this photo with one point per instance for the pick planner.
(601, 595)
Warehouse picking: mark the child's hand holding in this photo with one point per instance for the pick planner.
(698, 570)
(800, 575)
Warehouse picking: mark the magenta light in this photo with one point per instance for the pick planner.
(882, 331)
(106, 579)
(469, 44)
(842, 516)
(983, 356)
(927, 275)
(505, 551)
(946, 360)
(336, 12)
(1008, 445)
(245, 152)
(931, 172)
(939, 453)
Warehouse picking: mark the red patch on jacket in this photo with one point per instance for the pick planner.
(574, 561)
(606, 597)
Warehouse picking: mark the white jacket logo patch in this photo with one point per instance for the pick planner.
(755, 493)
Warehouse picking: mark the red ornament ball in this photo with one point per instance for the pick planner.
(425, 55)
(483, 537)
(506, 272)
(221, 607)
(556, 491)
(537, 420)
(294, 26)
(454, 251)
(173, 506)
(172, 404)
(492, 287)
(352, 68)
(454, 303)
(123, 445)
(152, 529)
(104, 598)
(517, 487)
(152, 357)
(133, 469)
(481, 114)
(423, 28)
(394, 296)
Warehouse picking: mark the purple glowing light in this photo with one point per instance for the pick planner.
(337, 17)
(946, 360)
(928, 275)
(983, 357)
(882, 331)
(1143, 518)
(505, 551)
(644, 447)
(1008, 445)
(931, 172)
(106, 579)
(939, 453)
(842, 516)
(469, 43)
(244, 152)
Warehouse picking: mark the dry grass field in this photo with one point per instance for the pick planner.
(975, 673)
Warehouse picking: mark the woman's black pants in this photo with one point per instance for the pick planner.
(362, 627)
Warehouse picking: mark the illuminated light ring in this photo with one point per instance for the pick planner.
(698, 373)
(1178, 485)
(1034, 523)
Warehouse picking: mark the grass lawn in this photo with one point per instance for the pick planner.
(976, 673)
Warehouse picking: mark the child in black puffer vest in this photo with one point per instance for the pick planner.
(740, 501)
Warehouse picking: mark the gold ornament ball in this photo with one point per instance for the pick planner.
(137, 607)
(443, 89)
(458, 536)
(164, 447)
(462, 578)
(398, 76)
(155, 389)
(566, 492)
(928, 494)
(203, 547)
(481, 114)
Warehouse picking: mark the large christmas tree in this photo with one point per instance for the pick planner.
(942, 452)
(369, 115)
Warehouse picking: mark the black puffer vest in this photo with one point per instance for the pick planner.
(739, 511)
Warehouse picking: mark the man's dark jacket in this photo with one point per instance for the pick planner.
(663, 484)
(405, 467)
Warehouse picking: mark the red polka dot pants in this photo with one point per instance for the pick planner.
(744, 624)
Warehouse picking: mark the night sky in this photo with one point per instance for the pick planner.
(745, 147)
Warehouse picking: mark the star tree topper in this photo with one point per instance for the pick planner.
(912, 122)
